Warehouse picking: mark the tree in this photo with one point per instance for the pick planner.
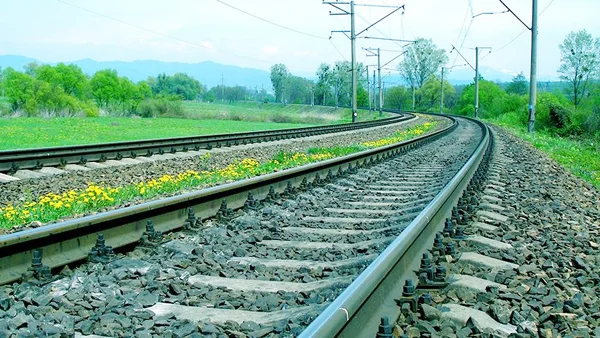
(105, 86)
(323, 87)
(430, 94)
(279, 76)
(518, 85)
(18, 88)
(421, 61)
(580, 59)
(491, 97)
(397, 97)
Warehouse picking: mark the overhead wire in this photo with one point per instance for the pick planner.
(161, 33)
(518, 35)
(269, 21)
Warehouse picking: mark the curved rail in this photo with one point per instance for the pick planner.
(36, 158)
(70, 241)
(358, 310)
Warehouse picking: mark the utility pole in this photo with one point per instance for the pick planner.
(369, 88)
(353, 46)
(533, 70)
(413, 98)
(373, 88)
(442, 95)
(382, 98)
(379, 79)
(476, 82)
(312, 92)
(533, 67)
(477, 79)
(353, 35)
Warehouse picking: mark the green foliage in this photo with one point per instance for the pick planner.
(162, 107)
(580, 63)
(491, 100)
(398, 97)
(518, 86)
(63, 90)
(179, 84)
(279, 75)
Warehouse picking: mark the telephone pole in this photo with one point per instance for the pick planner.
(353, 35)
(222, 89)
(442, 94)
(369, 88)
(476, 82)
(533, 69)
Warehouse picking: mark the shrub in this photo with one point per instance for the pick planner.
(559, 115)
(161, 107)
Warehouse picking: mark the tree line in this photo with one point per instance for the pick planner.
(64, 90)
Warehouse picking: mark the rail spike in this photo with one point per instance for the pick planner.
(251, 203)
(101, 253)
(150, 236)
(37, 270)
(224, 213)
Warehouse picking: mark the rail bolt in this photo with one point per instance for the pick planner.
(385, 329)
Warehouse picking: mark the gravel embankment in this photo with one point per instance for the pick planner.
(553, 229)
(299, 240)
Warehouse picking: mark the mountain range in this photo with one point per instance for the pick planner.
(211, 73)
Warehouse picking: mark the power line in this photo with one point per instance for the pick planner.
(518, 35)
(270, 22)
(160, 33)
(334, 46)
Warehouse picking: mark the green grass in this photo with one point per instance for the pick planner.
(275, 112)
(203, 119)
(30, 132)
(579, 156)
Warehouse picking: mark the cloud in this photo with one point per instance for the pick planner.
(303, 53)
(207, 44)
(270, 50)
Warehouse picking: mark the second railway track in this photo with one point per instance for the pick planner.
(267, 269)
(12, 161)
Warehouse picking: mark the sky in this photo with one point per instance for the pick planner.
(200, 30)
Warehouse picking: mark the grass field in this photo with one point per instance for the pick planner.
(275, 112)
(28, 132)
(203, 119)
(580, 156)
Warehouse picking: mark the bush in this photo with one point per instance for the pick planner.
(592, 123)
(559, 116)
(161, 107)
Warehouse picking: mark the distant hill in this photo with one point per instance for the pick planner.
(208, 72)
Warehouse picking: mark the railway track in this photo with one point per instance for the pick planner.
(46, 159)
(331, 240)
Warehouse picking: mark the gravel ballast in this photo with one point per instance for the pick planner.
(548, 284)
(124, 297)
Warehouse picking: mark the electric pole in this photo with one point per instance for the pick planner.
(413, 98)
(442, 94)
(533, 66)
(477, 79)
(476, 82)
(369, 88)
(373, 88)
(533, 70)
(353, 36)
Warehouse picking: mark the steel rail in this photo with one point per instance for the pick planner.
(70, 241)
(357, 311)
(36, 158)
